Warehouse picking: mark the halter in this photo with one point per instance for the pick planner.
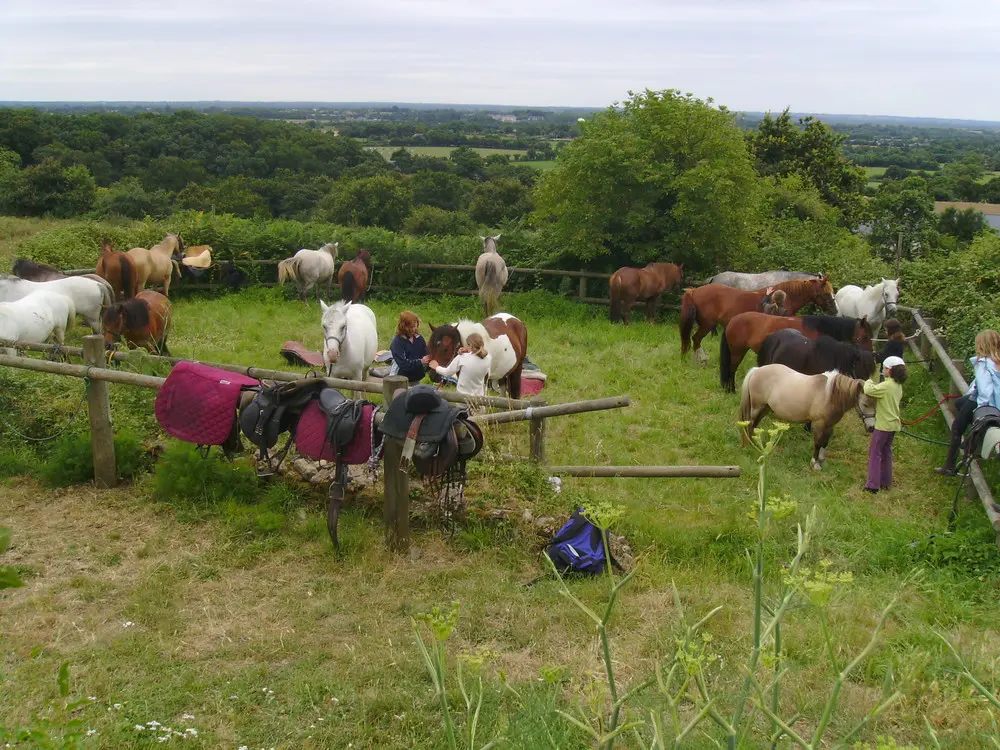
(886, 301)
(340, 341)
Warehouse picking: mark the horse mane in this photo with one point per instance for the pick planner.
(29, 266)
(135, 312)
(832, 325)
(797, 287)
(365, 257)
(842, 391)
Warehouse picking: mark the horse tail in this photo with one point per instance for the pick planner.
(746, 405)
(727, 377)
(129, 276)
(689, 316)
(348, 288)
(176, 268)
(288, 270)
(489, 291)
(107, 294)
(616, 300)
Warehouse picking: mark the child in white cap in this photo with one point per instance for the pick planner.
(887, 395)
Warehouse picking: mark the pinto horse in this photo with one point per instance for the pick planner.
(819, 400)
(630, 284)
(143, 321)
(506, 340)
(354, 276)
(814, 356)
(712, 304)
(119, 270)
(747, 331)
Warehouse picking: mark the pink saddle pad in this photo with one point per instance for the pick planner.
(197, 403)
(311, 442)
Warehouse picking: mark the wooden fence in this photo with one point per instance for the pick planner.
(582, 290)
(98, 374)
(930, 350)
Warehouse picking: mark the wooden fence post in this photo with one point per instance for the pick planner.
(926, 352)
(396, 507)
(102, 437)
(583, 288)
(537, 432)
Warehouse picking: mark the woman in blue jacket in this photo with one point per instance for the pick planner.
(984, 391)
(409, 350)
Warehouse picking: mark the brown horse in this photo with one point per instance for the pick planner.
(158, 264)
(31, 271)
(354, 276)
(712, 304)
(631, 284)
(143, 321)
(747, 331)
(118, 269)
(819, 400)
(506, 340)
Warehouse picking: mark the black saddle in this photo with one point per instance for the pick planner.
(342, 417)
(983, 419)
(275, 409)
(421, 401)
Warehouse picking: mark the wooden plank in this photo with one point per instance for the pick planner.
(556, 410)
(536, 433)
(396, 480)
(102, 437)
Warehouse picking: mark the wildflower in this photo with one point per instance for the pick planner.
(187, 716)
(603, 514)
(91, 732)
(128, 624)
(441, 623)
(191, 731)
(334, 699)
(474, 660)
(139, 728)
(152, 724)
(91, 697)
(243, 747)
(117, 707)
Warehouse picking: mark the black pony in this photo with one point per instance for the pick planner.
(815, 356)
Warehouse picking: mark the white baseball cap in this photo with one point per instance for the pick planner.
(893, 362)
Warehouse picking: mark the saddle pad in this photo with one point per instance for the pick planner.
(197, 403)
(297, 354)
(311, 442)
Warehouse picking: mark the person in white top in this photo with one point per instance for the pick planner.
(472, 365)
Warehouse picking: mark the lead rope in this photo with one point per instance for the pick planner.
(72, 419)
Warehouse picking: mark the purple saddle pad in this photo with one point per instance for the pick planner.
(311, 439)
(197, 403)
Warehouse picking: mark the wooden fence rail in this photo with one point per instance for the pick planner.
(930, 345)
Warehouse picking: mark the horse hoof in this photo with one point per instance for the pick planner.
(817, 466)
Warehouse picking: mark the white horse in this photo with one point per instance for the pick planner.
(491, 275)
(502, 354)
(350, 339)
(88, 296)
(307, 268)
(874, 302)
(36, 317)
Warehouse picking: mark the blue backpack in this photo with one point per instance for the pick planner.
(578, 547)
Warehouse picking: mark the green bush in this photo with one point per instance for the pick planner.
(17, 459)
(71, 459)
(183, 474)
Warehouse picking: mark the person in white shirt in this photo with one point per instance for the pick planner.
(472, 365)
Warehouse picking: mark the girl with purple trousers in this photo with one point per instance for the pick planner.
(887, 395)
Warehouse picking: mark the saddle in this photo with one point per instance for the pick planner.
(983, 440)
(333, 428)
(297, 354)
(276, 409)
(435, 434)
(198, 403)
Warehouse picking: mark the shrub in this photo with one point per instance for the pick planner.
(71, 459)
(182, 474)
(438, 222)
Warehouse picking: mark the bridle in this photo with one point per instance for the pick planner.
(886, 302)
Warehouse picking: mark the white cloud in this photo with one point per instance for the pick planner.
(892, 57)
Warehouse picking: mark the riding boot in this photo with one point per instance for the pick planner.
(949, 463)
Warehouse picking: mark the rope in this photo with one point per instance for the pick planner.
(931, 411)
(79, 407)
(925, 439)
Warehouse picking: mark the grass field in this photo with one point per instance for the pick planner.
(268, 639)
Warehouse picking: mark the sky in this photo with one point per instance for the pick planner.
(884, 57)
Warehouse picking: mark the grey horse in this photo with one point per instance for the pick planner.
(491, 275)
(753, 281)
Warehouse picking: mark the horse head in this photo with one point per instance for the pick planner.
(863, 333)
(334, 323)
(824, 294)
(365, 257)
(113, 321)
(444, 343)
(490, 243)
(890, 295)
(107, 247)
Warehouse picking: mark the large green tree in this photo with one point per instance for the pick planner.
(662, 176)
(906, 207)
(811, 150)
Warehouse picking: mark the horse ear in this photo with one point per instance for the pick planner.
(482, 238)
(497, 237)
(323, 306)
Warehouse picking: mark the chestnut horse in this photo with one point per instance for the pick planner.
(118, 269)
(506, 340)
(712, 304)
(631, 284)
(143, 321)
(747, 331)
(354, 276)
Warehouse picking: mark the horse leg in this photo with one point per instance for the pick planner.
(821, 437)
(756, 415)
(166, 283)
(651, 304)
(93, 322)
(702, 332)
